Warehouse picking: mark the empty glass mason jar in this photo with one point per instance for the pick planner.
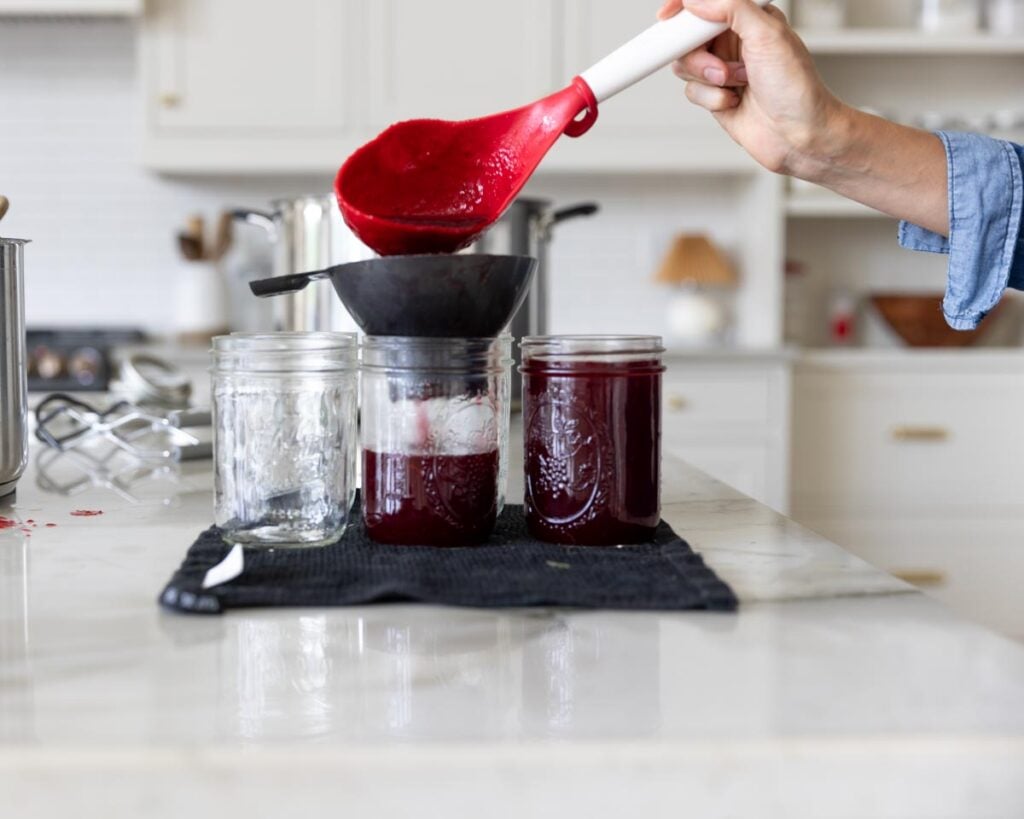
(435, 416)
(285, 417)
(592, 430)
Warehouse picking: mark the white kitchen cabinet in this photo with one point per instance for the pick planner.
(230, 84)
(729, 415)
(651, 126)
(457, 59)
(70, 8)
(236, 86)
(916, 463)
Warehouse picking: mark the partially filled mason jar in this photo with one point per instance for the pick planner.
(435, 417)
(285, 421)
(592, 432)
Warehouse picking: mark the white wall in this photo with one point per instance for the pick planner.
(102, 227)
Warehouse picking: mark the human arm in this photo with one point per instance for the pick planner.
(760, 83)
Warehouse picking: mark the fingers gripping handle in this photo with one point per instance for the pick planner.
(654, 48)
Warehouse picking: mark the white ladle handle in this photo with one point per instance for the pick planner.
(655, 48)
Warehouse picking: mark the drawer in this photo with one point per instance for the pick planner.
(973, 566)
(705, 396)
(906, 441)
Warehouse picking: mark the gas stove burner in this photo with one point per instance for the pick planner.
(442, 296)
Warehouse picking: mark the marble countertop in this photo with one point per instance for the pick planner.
(836, 691)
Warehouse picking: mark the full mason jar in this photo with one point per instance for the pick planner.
(285, 436)
(435, 416)
(592, 430)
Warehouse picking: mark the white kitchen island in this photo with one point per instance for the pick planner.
(835, 691)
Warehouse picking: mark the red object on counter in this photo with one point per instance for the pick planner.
(593, 449)
(86, 513)
(430, 500)
(433, 186)
(7, 523)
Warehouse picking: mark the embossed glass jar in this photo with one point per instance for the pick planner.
(285, 436)
(592, 430)
(435, 416)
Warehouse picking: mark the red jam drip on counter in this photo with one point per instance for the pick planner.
(593, 451)
(433, 186)
(430, 500)
(86, 513)
(7, 523)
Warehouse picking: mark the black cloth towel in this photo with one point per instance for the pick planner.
(510, 570)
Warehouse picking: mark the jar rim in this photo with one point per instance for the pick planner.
(580, 345)
(436, 355)
(284, 342)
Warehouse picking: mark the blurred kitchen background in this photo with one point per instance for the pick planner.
(809, 363)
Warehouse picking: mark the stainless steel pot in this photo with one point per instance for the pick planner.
(526, 229)
(13, 384)
(308, 233)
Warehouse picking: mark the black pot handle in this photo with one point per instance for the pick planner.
(574, 212)
(280, 285)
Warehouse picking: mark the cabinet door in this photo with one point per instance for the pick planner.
(233, 68)
(651, 123)
(457, 59)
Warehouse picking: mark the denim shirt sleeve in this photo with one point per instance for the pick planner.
(985, 245)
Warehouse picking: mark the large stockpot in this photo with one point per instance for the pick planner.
(13, 379)
(526, 229)
(308, 233)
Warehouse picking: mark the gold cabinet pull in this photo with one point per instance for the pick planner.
(921, 434)
(170, 100)
(927, 578)
(677, 403)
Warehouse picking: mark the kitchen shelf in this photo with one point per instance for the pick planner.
(896, 42)
(820, 205)
(70, 8)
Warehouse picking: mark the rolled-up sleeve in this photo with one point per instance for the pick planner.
(985, 244)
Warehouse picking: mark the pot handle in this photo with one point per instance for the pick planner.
(574, 212)
(259, 218)
(280, 285)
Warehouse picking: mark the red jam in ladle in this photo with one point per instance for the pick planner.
(433, 186)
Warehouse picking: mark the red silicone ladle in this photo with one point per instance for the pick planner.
(433, 186)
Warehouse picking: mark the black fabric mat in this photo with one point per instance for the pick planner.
(511, 570)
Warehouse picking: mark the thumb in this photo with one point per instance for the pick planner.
(746, 18)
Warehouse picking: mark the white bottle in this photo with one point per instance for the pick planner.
(950, 16)
(1006, 18)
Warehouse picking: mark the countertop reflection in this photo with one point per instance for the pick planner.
(826, 654)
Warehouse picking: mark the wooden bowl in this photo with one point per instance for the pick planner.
(917, 318)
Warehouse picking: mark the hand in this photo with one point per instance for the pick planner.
(759, 81)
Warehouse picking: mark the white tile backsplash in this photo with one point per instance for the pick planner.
(102, 226)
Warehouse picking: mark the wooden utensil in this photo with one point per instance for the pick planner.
(5, 203)
(223, 237)
(191, 248)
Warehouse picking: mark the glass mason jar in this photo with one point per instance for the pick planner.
(592, 430)
(285, 416)
(435, 418)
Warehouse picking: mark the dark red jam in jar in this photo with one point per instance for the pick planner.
(592, 416)
(435, 415)
(450, 500)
